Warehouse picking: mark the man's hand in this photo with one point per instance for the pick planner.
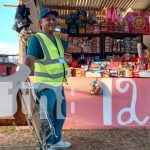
(29, 61)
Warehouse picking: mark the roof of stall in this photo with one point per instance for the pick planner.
(64, 5)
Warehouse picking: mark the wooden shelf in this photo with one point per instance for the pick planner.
(119, 53)
(115, 53)
(119, 34)
(84, 35)
(102, 36)
(113, 34)
(85, 54)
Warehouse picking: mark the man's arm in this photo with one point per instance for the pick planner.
(29, 61)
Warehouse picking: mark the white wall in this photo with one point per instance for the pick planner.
(146, 40)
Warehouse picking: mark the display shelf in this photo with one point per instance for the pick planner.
(92, 44)
(102, 37)
(119, 53)
(84, 35)
(119, 34)
(114, 53)
(115, 34)
(119, 43)
(85, 54)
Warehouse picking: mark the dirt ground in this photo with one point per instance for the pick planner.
(112, 139)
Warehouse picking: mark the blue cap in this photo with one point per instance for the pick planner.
(47, 11)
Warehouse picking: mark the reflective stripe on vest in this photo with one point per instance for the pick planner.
(46, 75)
(44, 48)
(46, 62)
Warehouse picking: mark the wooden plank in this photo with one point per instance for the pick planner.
(125, 3)
(117, 1)
(95, 3)
(120, 5)
(147, 9)
(88, 4)
(10, 5)
(144, 4)
(126, 6)
(109, 4)
(133, 4)
(103, 3)
(99, 4)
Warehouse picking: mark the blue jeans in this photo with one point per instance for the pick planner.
(56, 108)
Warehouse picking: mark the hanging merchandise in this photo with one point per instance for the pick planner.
(90, 20)
(24, 35)
(68, 21)
(100, 19)
(102, 15)
(138, 22)
(91, 17)
(104, 12)
(82, 28)
(120, 16)
(21, 18)
(78, 21)
(64, 28)
(82, 15)
(108, 15)
(73, 15)
(73, 29)
(112, 15)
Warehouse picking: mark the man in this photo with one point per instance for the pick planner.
(45, 57)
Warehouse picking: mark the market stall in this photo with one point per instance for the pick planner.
(106, 85)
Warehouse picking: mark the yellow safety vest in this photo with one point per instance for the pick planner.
(52, 69)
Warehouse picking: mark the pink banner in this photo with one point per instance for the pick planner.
(125, 102)
(138, 23)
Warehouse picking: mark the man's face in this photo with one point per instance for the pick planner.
(48, 23)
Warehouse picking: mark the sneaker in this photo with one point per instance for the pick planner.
(61, 144)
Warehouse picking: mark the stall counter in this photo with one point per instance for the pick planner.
(125, 102)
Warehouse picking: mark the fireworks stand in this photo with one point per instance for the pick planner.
(114, 78)
(108, 82)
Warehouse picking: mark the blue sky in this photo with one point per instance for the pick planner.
(8, 37)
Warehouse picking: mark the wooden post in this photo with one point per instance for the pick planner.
(22, 51)
(34, 26)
